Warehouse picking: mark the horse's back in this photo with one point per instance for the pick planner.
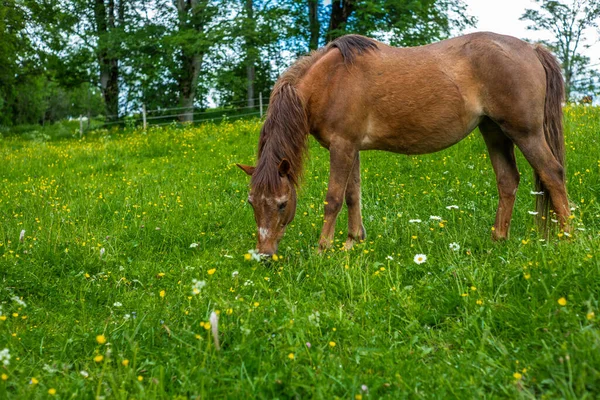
(423, 99)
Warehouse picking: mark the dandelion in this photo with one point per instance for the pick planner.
(454, 246)
(162, 293)
(5, 357)
(247, 256)
(4, 377)
(414, 221)
(193, 245)
(125, 362)
(435, 218)
(214, 324)
(212, 271)
(101, 339)
(99, 358)
(452, 207)
(332, 344)
(197, 286)
(18, 300)
(420, 258)
(34, 381)
(51, 391)
(562, 301)
(22, 236)
(291, 356)
(517, 375)
(140, 378)
(590, 316)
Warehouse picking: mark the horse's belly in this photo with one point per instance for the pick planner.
(418, 139)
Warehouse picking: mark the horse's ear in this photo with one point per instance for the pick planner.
(247, 168)
(284, 167)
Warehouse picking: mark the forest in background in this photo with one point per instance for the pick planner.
(66, 58)
(105, 59)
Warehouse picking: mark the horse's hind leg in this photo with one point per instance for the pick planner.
(356, 230)
(502, 155)
(537, 152)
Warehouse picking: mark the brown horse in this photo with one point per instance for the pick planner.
(359, 94)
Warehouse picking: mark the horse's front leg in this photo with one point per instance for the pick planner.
(356, 230)
(342, 156)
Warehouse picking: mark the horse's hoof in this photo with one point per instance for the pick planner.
(349, 244)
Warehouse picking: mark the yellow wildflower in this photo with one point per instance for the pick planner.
(101, 339)
(212, 271)
(562, 301)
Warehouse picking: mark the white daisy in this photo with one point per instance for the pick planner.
(420, 258)
(454, 246)
(18, 300)
(414, 221)
(197, 286)
(22, 236)
(452, 207)
(5, 357)
(536, 193)
(193, 245)
(435, 218)
(533, 212)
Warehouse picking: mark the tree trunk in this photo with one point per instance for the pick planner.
(340, 12)
(250, 53)
(191, 59)
(108, 62)
(191, 64)
(314, 24)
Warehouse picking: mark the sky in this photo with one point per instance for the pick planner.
(502, 16)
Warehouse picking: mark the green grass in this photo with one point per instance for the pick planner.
(464, 324)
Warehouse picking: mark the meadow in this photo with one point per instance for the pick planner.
(116, 248)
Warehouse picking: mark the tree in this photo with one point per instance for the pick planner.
(192, 39)
(314, 24)
(109, 19)
(568, 24)
(399, 22)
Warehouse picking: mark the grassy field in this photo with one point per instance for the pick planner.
(103, 295)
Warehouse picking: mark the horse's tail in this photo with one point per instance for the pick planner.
(553, 125)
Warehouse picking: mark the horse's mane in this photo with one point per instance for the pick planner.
(285, 131)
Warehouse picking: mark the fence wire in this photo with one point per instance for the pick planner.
(151, 118)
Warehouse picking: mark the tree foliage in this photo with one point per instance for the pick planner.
(72, 57)
(568, 23)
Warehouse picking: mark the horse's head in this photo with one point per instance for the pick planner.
(274, 208)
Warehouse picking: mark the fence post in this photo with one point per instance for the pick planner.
(144, 115)
(260, 104)
(80, 126)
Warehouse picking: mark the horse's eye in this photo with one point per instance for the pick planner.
(282, 206)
